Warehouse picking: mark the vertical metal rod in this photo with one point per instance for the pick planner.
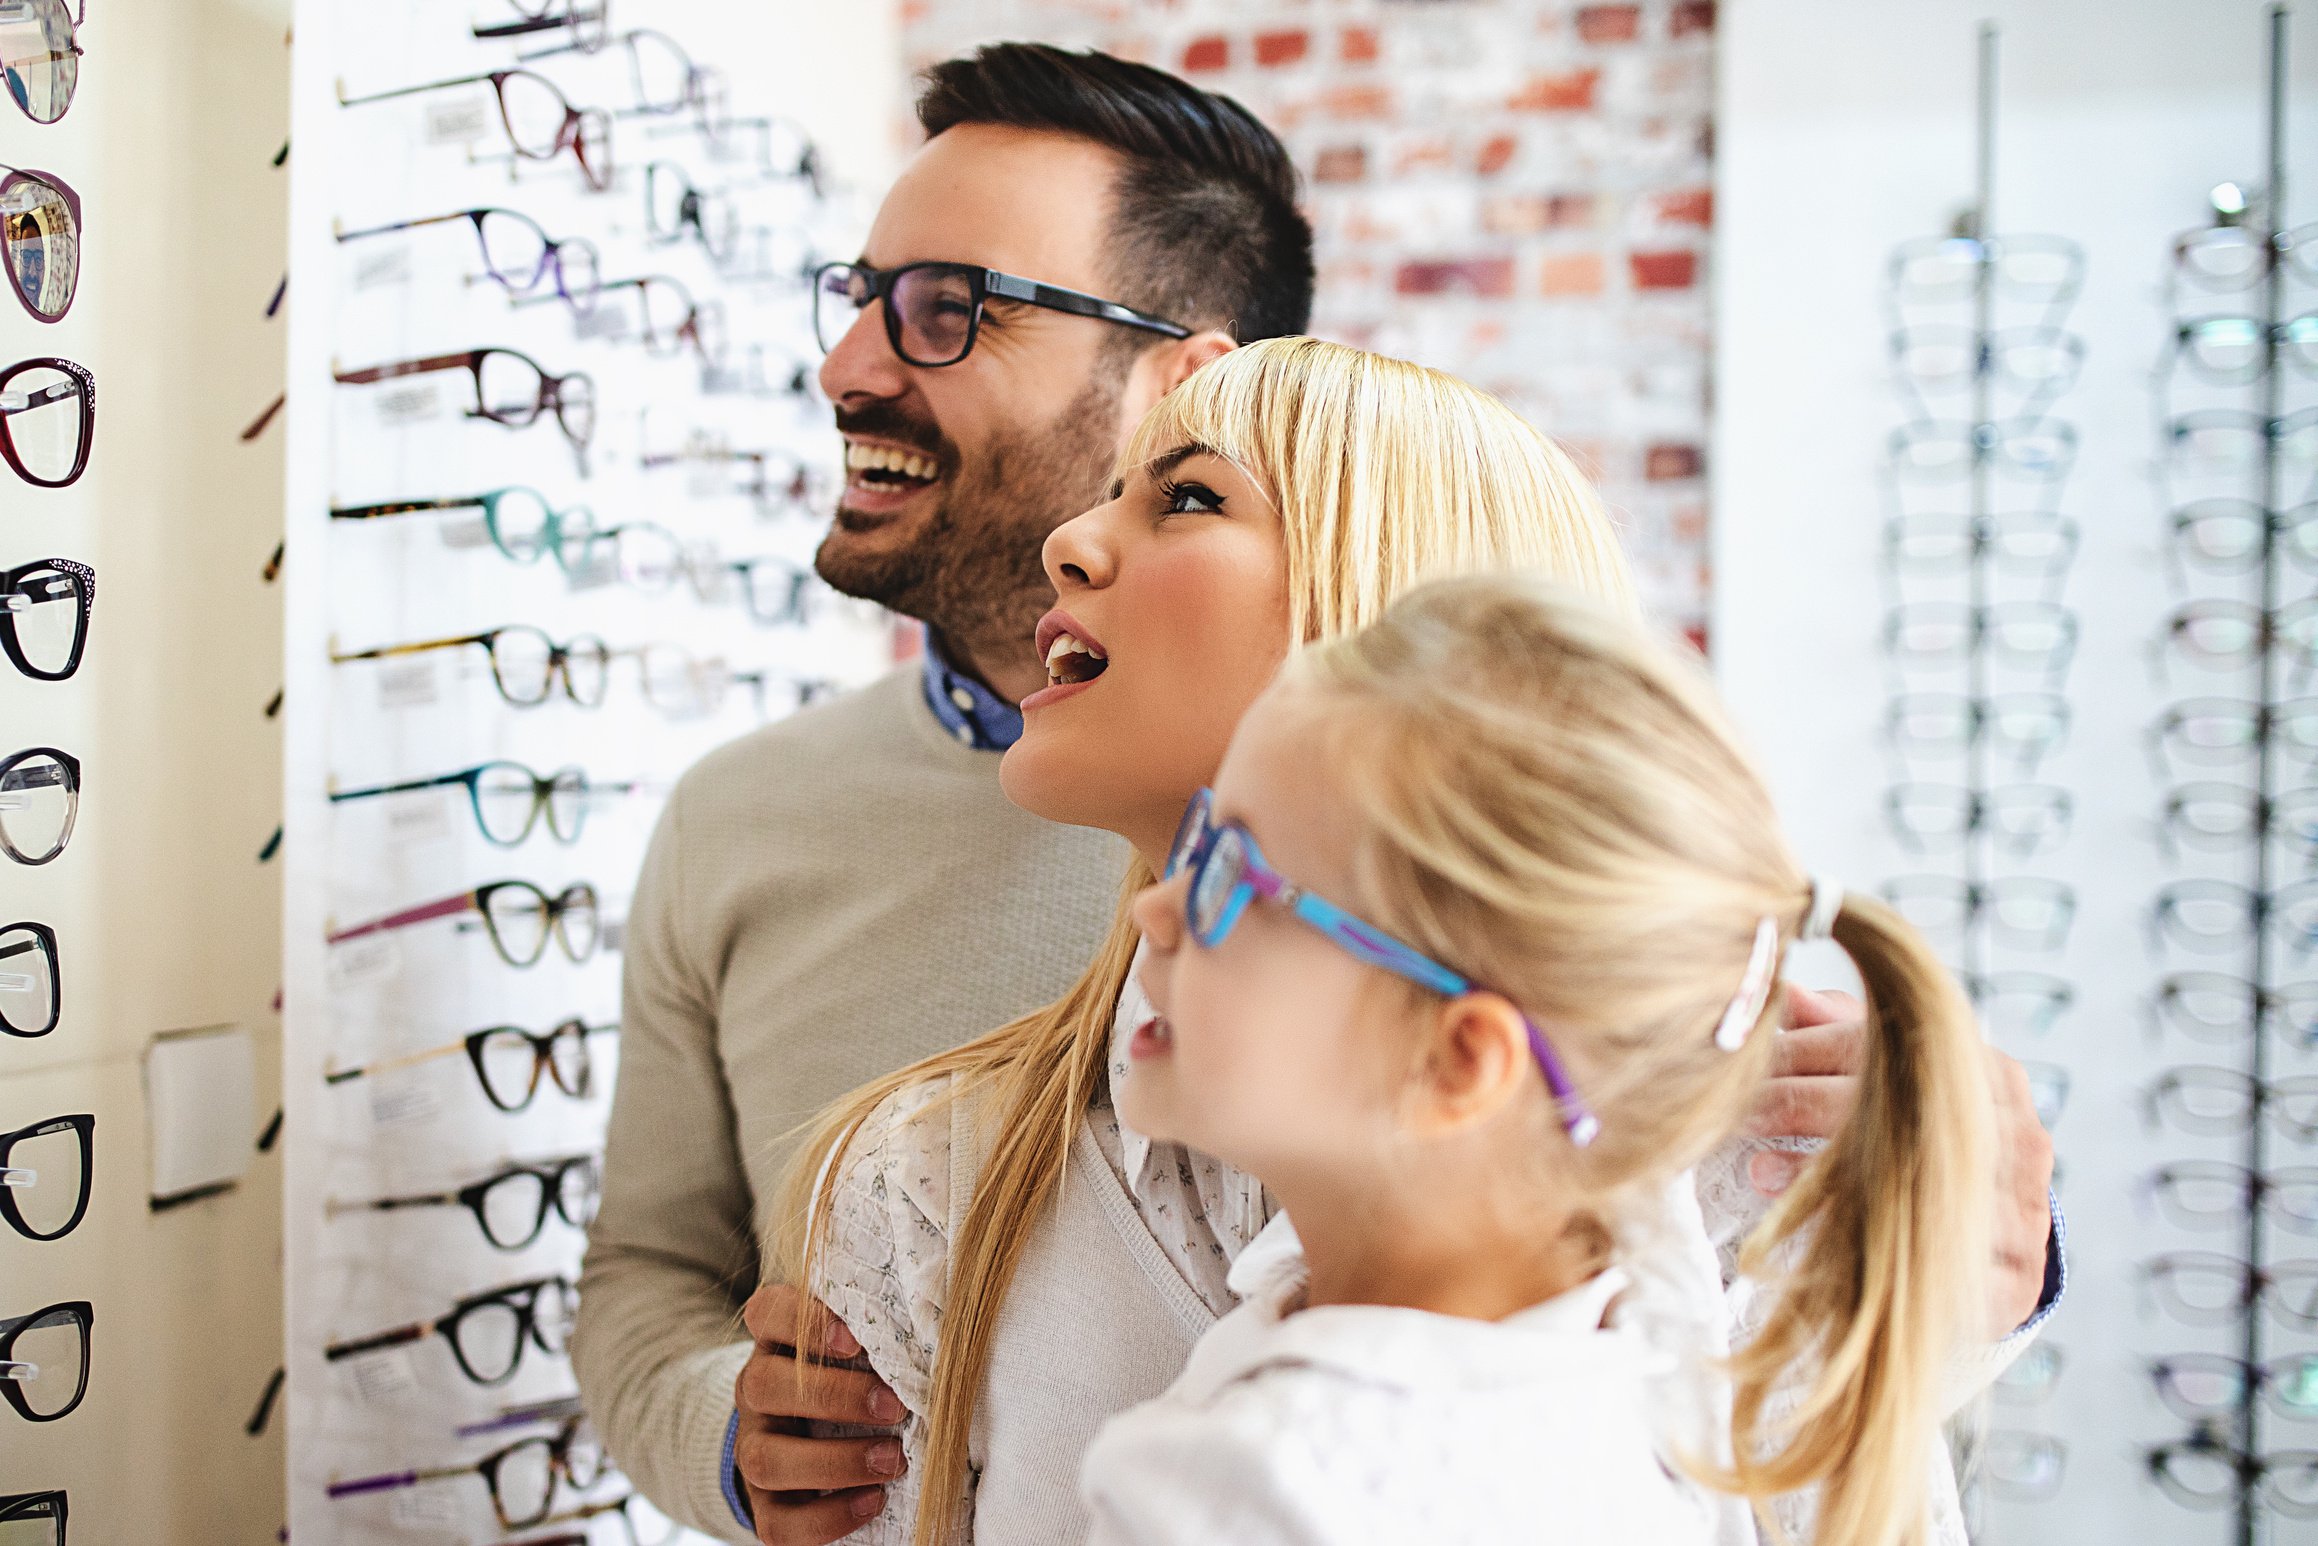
(1977, 774)
(2273, 212)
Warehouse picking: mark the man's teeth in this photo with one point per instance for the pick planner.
(868, 458)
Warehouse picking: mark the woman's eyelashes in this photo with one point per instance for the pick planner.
(1189, 498)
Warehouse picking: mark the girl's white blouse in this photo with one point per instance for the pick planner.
(1355, 1424)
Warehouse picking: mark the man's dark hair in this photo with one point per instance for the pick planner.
(1205, 230)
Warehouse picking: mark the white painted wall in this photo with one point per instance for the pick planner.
(166, 919)
(1843, 129)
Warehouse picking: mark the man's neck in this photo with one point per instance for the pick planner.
(1006, 668)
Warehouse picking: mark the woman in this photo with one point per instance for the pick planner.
(1017, 1264)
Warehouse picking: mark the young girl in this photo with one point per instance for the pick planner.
(1467, 954)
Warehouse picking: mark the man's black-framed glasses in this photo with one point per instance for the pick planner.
(933, 311)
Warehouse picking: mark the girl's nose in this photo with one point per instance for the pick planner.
(1158, 913)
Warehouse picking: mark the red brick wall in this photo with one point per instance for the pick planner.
(1515, 190)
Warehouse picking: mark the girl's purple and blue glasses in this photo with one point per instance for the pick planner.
(1228, 871)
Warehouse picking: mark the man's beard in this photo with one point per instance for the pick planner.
(972, 571)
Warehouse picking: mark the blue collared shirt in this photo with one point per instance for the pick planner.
(971, 712)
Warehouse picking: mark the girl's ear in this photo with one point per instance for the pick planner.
(1475, 1064)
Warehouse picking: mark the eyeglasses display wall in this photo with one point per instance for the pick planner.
(2123, 537)
(1980, 640)
(2236, 462)
(557, 471)
(47, 608)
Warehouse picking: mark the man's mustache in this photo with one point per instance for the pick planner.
(883, 421)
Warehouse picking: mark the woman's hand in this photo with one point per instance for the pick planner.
(804, 1491)
(1814, 1082)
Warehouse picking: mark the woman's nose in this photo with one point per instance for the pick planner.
(1079, 554)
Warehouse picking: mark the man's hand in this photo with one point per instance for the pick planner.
(805, 1491)
(1814, 1084)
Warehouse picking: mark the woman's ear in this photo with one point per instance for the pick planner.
(1475, 1063)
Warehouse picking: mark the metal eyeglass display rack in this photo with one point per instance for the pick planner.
(2249, 229)
(1980, 356)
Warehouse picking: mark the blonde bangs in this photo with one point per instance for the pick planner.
(1402, 474)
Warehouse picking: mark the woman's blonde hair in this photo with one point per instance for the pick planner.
(1384, 474)
(1555, 805)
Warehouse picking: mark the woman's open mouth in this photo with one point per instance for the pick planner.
(1071, 659)
(1073, 656)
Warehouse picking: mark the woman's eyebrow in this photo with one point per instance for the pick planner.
(1167, 461)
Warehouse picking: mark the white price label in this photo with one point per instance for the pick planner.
(458, 120)
(410, 404)
(388, 266)
(407, 684)
(426, 1506)
(399, 1103)
(372, 958)
(422, 820)
(384, 1378)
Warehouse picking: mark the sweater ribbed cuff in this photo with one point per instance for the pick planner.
(704, 1423)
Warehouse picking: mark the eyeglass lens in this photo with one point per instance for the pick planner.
(39, 797)
(44, 1361)
(509, 1061)
(45, 1176)
(28, 980)
(41, 234)
(46, 418)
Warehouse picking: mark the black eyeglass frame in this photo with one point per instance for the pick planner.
(522, 1298)
(77, 1311)
(11, 1212)
(81, 579)
(43, 943)
(982, 285)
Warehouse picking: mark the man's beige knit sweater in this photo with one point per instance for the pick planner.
(825, 901)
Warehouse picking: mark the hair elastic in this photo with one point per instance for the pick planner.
(1754, 989)
(1826, 906)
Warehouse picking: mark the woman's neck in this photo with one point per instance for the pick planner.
(1449, 1255)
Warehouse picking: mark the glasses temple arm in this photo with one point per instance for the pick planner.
(448, 907)
(1056, 298)
(372, 373)
(393, 1479)
(393, 651)
(406, 91)
(385, 1065)
(406, 507)
(399, 1337)
(408, 786)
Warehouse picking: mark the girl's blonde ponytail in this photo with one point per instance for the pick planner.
(1886, 1237)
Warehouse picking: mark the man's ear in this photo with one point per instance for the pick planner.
(1160, 371)
(1475, 1064)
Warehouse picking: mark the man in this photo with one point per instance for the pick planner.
(846, 891)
